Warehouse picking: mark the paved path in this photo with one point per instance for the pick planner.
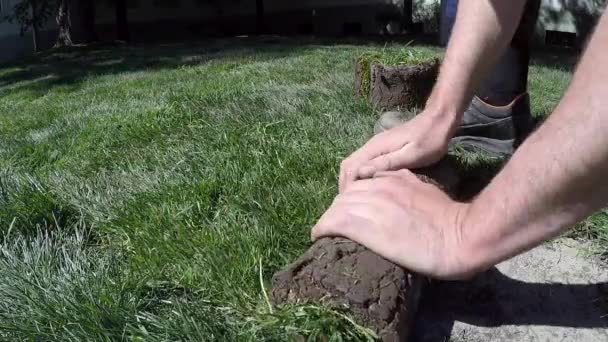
(555, 292)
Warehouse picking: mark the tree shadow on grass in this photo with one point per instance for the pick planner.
(70, 66)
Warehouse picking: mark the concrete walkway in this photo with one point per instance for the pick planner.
(556, 292)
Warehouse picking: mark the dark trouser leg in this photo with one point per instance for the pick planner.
(509, 77)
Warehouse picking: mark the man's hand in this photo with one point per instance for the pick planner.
(423, 140)
(420, 142)
(409, 222)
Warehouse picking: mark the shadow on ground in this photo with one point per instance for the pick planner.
(553, 292)
(493, 299)
(69, 66)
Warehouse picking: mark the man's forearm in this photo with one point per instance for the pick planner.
(482, 31)
(555, 179)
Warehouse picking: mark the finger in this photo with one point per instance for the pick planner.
(342, 178)
(348, 218)
(373, 148)
(408, 178)
(410, 156)
(361, 185)
(348, 208)
(401, 182)
(411, 186)
(404, 174)
(335, 222)
(400, 159)
(355, 221)
(347, 178)
(422, 196)
(381, 163)
(348, 174)
(327, 220)
(402, 186)
(374, 186)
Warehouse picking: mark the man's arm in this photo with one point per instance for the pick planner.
(482, 31)
(556, 178)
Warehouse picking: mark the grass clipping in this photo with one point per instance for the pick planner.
(404, 56)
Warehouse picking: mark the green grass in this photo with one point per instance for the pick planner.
(150, 193)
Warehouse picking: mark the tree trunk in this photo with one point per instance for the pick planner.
(407, 16)
(35, 36)
(64, 23)
(259, 9)
(35, 33)
(122, 23)
(76, 22)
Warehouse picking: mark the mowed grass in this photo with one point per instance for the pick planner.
(149, 193)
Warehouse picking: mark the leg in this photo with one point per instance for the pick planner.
(498, 118)
(509, 77)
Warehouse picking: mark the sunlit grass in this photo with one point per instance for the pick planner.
(142, 188)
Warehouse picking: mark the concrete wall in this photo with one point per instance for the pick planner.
(331, 18)
(171, 19)
(152, 10)
(238, 16)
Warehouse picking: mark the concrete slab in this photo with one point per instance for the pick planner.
(556, 292)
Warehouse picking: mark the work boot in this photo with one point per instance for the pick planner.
(493, 130)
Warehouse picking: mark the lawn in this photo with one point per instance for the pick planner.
(149, 193)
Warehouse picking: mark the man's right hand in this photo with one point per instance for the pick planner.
(420, 142)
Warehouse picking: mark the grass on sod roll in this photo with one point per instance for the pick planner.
(405, 55)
